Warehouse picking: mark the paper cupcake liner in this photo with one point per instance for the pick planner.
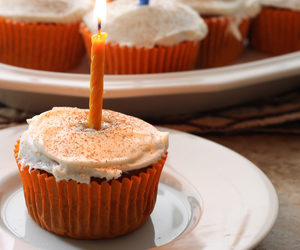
(132, 60)
(53, 47)
(220, 47)
(276, 31)
(87, 39)
(90, 211)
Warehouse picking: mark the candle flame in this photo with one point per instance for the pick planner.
(100, 11)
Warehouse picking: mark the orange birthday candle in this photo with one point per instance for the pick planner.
(97, 75)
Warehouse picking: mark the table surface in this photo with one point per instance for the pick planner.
(278, 156)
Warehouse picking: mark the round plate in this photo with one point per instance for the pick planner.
(238, 203)
(253, 77)
(247, 71)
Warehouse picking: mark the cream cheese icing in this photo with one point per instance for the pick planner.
(285, 4)
(164, 23)
(59, 142)
(247, 8)
(45, 11)
(238, 9)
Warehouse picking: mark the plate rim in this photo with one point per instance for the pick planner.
(116, 86)
(271, 189)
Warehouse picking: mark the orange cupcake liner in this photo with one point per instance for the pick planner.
(132, 60)
(276, 31)
(220, 47)
(52, 47)
(90, 211)
(87, 39)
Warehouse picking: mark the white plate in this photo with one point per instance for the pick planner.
(254, 75)
(239, 207)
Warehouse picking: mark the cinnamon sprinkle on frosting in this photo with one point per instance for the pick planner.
(59, 142)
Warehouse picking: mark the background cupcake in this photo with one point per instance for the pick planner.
(42, 34)
(228, 23)
(276, 30)
(161, 37)
(86, 183)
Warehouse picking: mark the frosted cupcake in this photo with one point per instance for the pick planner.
(161, 37)
(42, 34)
(276, 30)
(228, 24)
(86, 183)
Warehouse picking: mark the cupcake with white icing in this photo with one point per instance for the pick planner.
(228, 24)
(163, 36)
(42, 34)
(276, 30)
(85, 183)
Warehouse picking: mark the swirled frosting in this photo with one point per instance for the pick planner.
(238, 9)
(45, 11)
(59, 142)
(246, 8)
(162, 23)
(285, 4)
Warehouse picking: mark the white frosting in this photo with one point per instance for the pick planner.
(285, 4)
(246, 8)
(45, 11)
(162, 23)
(58, 142)
(237, 9)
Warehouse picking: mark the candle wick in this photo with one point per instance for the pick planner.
(99, 26)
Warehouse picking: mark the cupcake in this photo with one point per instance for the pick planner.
(42, 35)
(85, 183)
(160, 37)
(276, 30)
(228, 24)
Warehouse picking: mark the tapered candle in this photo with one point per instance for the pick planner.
(97, 75)
(144, 2)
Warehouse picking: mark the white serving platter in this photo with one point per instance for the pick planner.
(182, 93)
